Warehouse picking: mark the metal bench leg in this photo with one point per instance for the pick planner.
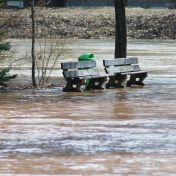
(111, 82)
(104, 82)
(120, 80)
(97, 83)
(141, 78)
(73, 86)
(137, 79)
(116, 81)
(68, 86)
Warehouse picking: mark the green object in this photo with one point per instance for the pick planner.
(87, 57)
(4, 76)
(5, 46)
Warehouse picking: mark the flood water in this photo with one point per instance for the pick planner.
(130, 131)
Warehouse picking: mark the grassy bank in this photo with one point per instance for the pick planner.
(85, 23)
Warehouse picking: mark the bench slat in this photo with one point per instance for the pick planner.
(135, 73)
(78, 65)
(120, 61)
(79, 73)
(122, 69)
(93, 76)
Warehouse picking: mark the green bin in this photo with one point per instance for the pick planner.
(87, 57)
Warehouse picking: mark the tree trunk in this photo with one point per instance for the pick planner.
(120, 34)
(33, 44)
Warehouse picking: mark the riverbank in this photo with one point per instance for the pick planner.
(86, 23)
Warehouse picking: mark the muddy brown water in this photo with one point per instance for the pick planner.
(130, 131)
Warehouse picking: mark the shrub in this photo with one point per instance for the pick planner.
(5, 76)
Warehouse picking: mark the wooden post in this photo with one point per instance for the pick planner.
(120, 34)
(33, 44)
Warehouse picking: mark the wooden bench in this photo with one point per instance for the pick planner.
(120, 68)
(82, 75)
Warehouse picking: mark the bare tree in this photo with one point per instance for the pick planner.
(46, 59)
(120, 34)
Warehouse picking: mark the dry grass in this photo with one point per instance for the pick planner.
(89, 11)
(90, 23)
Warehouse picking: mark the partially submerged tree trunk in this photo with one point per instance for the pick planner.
(33, 44)
(120, 34)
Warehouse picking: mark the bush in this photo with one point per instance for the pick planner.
(5, 76)
(4, 46)
(4, 73)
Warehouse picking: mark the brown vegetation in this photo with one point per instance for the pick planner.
(91, 23)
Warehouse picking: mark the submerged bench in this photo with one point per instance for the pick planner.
(120, 68)
(82, 75)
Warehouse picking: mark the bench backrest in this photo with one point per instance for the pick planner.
(121, 65)
(79, 69)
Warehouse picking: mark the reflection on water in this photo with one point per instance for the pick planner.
(130, 131)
